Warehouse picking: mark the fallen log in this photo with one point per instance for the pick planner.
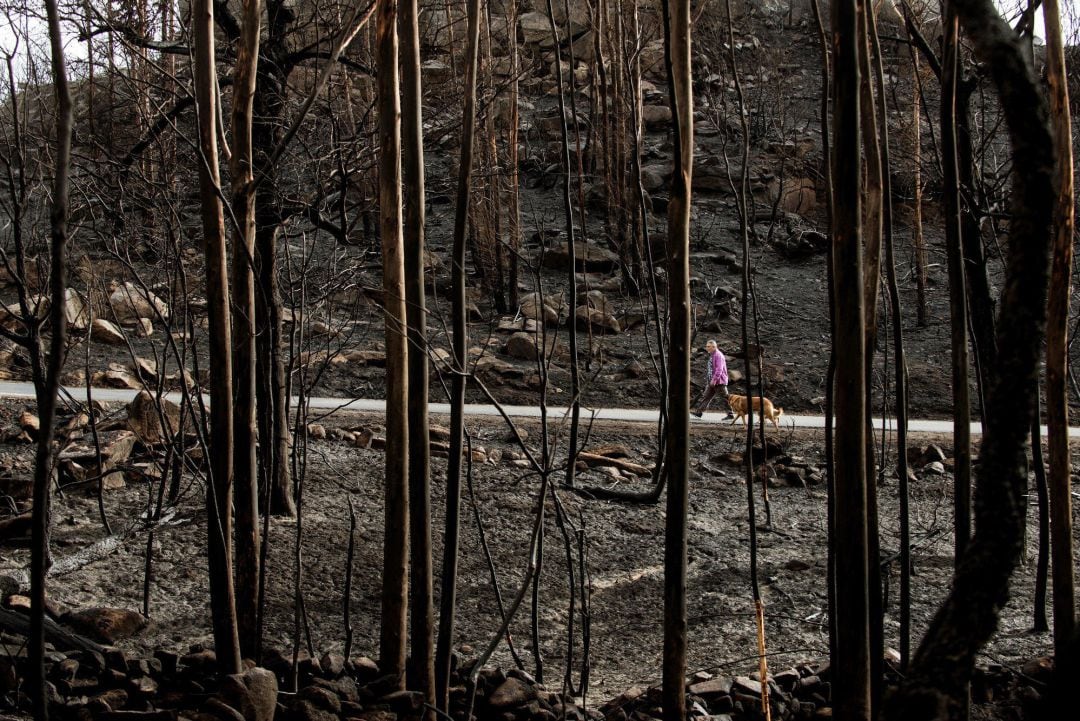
(592, 459)
(18, 623)
(15, 527)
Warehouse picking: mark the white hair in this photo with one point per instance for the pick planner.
(713, 342)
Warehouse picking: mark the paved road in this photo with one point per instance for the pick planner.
(11, 389)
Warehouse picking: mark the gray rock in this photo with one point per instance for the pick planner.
(512, 694)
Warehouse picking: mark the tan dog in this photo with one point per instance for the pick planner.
(738, 407)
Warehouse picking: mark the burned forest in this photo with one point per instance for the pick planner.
(538, 360)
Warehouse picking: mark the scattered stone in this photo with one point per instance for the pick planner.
(144, 328)
(105, 331)
(512, 693)
(29, 423)
(720, 686)
(656, 117)
(75, 310)
(107, 625)
(934, 468)
(144, 415)
(116, 378)
(372, 358)
(597, 320)
(549, 310)
(535, 28)
(80, 460)
(130, 303)
(588, 257)
(521, 346)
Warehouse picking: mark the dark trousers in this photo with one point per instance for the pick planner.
(708, 394)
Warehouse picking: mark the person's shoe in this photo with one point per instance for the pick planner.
(729, 416)
(696, 414)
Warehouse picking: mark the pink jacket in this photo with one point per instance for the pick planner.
(717, 375)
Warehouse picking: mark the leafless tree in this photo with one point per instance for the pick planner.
(1057, 343)
(219, 492)
(392, 646)
(677, 466)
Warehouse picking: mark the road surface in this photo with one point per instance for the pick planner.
(13, 389)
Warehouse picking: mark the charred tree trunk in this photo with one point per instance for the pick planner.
(852, 686)
(219, 483)
(396, 533)
(1057, 340)
(243, 331)
(448, 600)
(936, 686)
(958, 306)
(677, 26)
(271, 386)
(44, 459)
(422, 670)
(571, 290)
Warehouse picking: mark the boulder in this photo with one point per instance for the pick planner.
(116, 378)
(521, 346)
(107, 625)
(588, 257)
(75, 310)
(144, 418)
(597, 320)
(105, 331)
(511, 694)
(656, 117)
(596, 300)
(535, 29)
(548, 310)
(80, 460)
(130, 302)
(798, 196)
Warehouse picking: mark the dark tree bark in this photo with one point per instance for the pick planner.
(571, 286)
(459, 321)
(44, 459)
(243, 331)
(392, 645)
(852, 685)
(936, 686)
(677, 41)
(276, 489)
(1057, 338)
(422, 669)
(219, 483)
(958, 305)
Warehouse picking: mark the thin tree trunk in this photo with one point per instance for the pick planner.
(243, 331)
(44, 459)
(918, 240)
(1042, 495)
(851, 688)
(514, 209)
(422, 671)
(957, 289)
(1057, 340)
(395, 591)
(873, 231)
(677, 26)
(219, 483)
(571, 290)
(936, 685)
(460, 341)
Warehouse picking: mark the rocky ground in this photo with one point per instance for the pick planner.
(622, 542)
(132, 328)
